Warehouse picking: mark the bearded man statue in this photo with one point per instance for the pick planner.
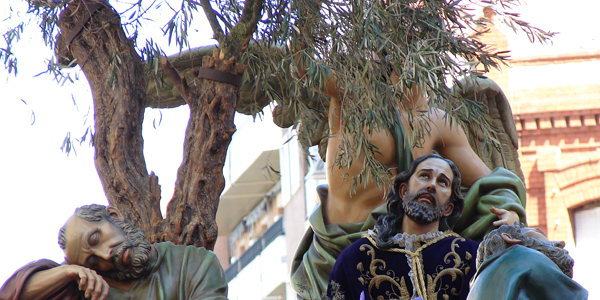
(106, 257)
(412, 253)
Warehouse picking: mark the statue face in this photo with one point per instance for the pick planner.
(93, 244)
(432, 182)
(426, 197)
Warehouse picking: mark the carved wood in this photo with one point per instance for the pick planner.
(118, 81)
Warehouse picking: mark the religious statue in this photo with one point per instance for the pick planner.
(517, 262)
(346, 214)
(412, 252)
(107, 258)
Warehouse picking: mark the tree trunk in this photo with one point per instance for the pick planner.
(200, 178)
(92, 34)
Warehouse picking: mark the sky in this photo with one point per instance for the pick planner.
(40, 185)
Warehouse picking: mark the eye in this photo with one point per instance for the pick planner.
(443, 183)
(92, 261)
(424, 176)
(94, 239)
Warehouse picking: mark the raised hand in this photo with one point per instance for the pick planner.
(505, 217)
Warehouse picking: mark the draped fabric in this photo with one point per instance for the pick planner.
(321, 244)
(320, 247)
(501, 189)
(180, 272)
(436, 268)
(522, 273)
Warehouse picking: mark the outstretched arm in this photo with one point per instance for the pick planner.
(44, 284)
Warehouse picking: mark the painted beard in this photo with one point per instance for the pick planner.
(422, 212)
(139, 248)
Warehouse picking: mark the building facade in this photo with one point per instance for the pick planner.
(555, 100)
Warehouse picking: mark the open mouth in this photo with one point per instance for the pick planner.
(426, 197)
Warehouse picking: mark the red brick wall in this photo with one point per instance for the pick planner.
(559, 135)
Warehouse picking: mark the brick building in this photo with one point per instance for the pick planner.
(555, 101)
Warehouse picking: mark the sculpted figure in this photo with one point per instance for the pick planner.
(107, 258)
(517, 262)
(494, 197)
(413, 251)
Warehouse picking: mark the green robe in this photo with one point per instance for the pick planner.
(321, 244)
(522, 273)
(180, 273)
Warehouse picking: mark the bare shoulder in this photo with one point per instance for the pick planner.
(450, 141)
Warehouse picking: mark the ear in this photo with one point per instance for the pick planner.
(402, 189)
(510, 240)
(448, 210)
(115, 213)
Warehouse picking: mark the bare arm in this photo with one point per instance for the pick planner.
(452, 143)
(44, 284)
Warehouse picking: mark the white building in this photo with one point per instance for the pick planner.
(262, 215)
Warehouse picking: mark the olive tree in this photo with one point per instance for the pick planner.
(260, 47)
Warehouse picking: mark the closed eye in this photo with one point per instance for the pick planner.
(93, 238)
(92, 261)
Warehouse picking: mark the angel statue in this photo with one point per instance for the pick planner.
(493, 195)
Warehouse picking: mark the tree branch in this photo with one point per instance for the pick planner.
(250, 17)
(211, 15)
(178, 81)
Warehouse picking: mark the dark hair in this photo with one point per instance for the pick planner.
(390, 223)
(90, 213)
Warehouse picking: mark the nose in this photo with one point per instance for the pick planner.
(430, 186)
(560, 244)
(105, 252)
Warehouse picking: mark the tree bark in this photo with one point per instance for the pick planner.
(91, 33)
(200, 178)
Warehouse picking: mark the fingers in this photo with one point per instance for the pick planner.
(497, 211)
(512, 217)
(83, 278)
(91, 283)
(94, 286)
(502, 216)
(100, 290)
(499, 222)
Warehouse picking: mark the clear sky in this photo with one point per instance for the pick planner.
(40, 186)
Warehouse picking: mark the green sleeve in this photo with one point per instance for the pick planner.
(206, 278)
(501, 189)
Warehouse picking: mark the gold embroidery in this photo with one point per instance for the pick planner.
(426, 291)
(335, 291)
(374, 279)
